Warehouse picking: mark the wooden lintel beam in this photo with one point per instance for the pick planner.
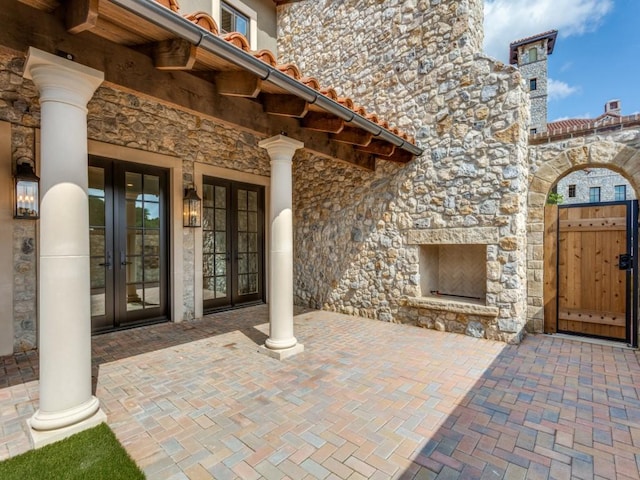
(322, 122)
(354, 136)
(174, 54)
(237, 84)
(133, 71)
(379, 147)
(284, 105)
(399, 156)
(81, 15)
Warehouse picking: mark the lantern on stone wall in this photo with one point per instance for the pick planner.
(26, 192)
(191, 208)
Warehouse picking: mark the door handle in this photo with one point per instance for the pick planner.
(123, 260)
(625, 261)
(107, 263)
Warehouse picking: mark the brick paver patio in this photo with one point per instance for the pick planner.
(366, 399)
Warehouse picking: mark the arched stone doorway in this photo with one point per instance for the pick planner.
(552, 163)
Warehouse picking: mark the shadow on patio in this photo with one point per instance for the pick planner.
(549, 408)
(366, 399)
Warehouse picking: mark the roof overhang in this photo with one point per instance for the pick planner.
(550, 36)
(257, 94)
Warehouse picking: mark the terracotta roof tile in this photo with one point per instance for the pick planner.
(206, 22)
(238, 40)
(311, 82)
(203, 20)
(329, 92)
(346, 102)
(290, 69)
(569, 124)
(170, 4)
(266, 56)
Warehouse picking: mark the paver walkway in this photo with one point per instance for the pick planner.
(366, 399)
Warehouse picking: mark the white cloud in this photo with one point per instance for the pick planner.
(557, 89)
(573, 117)
(508, 20)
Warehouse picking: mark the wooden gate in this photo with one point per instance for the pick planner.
(590, 279)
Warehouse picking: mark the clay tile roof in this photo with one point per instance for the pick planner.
(569, 124)
(329, 92)
(311, 82)
(170, 4)
(347, 102)
(206, 22)
(290, 69)
(237, 39)
(373, 117)
(266, 56)
(360, 110)
(549, 35)
(203, 20)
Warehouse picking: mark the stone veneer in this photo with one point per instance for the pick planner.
(538, 70)
(124, 119)
(618, 151)
(418, 63)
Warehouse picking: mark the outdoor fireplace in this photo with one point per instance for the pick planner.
(456, 272)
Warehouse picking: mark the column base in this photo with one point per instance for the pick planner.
(40, 438)
(282, 353)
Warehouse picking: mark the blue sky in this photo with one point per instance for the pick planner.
(596, 57)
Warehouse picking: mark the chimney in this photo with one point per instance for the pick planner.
(613, 106)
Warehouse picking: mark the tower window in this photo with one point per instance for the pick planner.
(533, 54)
(533, 131)
(572, 191)
(594, 194)
(533, 84)
(232, 20)
(620, 192)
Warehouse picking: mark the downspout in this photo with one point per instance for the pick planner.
(183, 28)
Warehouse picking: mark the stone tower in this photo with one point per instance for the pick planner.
(530, 55)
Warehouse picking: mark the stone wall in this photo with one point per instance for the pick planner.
(117, 118)
(416, 63)
(618, 151)
(583, 180)
(538, 70)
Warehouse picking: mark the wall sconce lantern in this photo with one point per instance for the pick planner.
(191, 208)
(26, 192)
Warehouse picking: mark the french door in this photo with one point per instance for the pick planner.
(128, 244)
(232, 243)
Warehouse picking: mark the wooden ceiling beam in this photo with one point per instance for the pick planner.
(237, 84)
(379, 147)
(322, 122)
(284, 105)
(353, 136)
(81, 15)
(174, 54)
(399, 156)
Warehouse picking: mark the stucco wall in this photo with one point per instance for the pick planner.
(358, 234)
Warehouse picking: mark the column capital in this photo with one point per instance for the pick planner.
(61, 80)
(280, 146)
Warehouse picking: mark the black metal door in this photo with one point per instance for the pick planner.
(128, 226)
(232, 244)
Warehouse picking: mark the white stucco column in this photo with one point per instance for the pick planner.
(281, 342)
(66, 401)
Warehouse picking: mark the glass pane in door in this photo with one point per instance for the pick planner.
(97, 240)
(248, 273)
(142, 243)
(214, 237)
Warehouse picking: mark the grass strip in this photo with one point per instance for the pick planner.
(93, 454)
